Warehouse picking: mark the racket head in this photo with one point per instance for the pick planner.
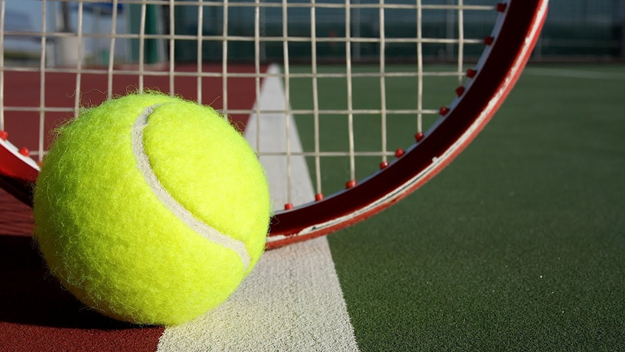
(505, 55)
(506, 52)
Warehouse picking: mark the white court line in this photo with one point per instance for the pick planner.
(292, 300)
(553, 72)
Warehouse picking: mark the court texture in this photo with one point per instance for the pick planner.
(518, 245)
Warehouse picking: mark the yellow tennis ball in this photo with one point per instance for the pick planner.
(151, 209)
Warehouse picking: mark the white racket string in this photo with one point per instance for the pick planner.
(287, 100)
(242, 38)
(419, 66)
(200, 20)
(383, 112)
(78, 91)
(277, 111)
(142, 46)
(111, 58)
(257, 73)
(120, 71)
(224, 59)
(326, 154)
(42, 81)
(350, 101)
(315, 97)
(460, 41)
(172, 47)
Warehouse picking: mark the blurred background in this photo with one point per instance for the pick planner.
(576, 30)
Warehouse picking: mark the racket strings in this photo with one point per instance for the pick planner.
(352, 42)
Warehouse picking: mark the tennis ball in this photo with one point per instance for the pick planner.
(151, 209)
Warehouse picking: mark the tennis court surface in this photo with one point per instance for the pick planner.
(518, 245)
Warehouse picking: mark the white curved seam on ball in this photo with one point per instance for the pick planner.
(143, 163)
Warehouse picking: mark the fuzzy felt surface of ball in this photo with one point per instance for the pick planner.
(151, 209)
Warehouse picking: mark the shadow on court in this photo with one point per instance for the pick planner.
(30, 295)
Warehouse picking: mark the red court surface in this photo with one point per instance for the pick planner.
(22, 89)
(36, 314)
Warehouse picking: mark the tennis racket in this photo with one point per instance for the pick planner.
(398, 47)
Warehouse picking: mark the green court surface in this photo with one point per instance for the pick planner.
(518, 245)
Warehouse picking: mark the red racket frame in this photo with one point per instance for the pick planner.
(506, 54)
